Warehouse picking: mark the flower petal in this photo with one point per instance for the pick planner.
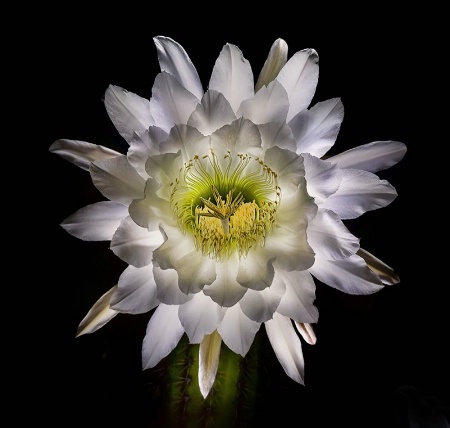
(117, 180)
(209, 353)
(256, 270)
(135, 244)
(330, 238)
(81, 153)
(274, 63)
(136, 291)
(297, 302)
(359, 191)
(96, 222)
(372, 157)
(212, 113)
(171, 103)
(299, 77)
(98, 315)
(232, 76)
(168, 290)
(307, 332)
(174, 59)
(315, 130)
(237, 330)
(200, 316)
(164, 331)
(287, 346)
(277, 134)
(144, 144)
(270, 104)
(350, 275)
(385, 272)
(128, 112)
(258, 305)
(225, 290)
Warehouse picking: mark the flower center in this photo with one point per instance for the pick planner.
(227, 206)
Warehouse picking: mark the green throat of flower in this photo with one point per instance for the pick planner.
(228, 207)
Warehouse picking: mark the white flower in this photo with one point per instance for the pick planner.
(225, 206)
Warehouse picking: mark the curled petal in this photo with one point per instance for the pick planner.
(307, 332)
(385, 272)
(209, 353)
(274, 63)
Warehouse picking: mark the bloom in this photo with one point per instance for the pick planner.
(225, 206)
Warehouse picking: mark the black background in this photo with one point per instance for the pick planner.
(380, 360)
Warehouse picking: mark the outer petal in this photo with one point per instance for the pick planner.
(372, 157)
(277, 134)
(209, 353)
(274, 63)
(96, 222)
(225, 290)
(270, 104)
(307, 332)
(256, 270)
(174, 59)
(144, 144)
(135, 244)
(322, 177)
(299, 77)
(167, 284)
(315, 130)
(359, 191)
(164, 331)
(136, 292)
(212, 113)
(200, 316)
(178, 252)
(330, 238)
(232, 76)
(287, 346)
(297, 302)
(237, 330)
(82, 153)
(171, 103)
(350, 275)
(259, 306)
(385, 272)
(117, 180)
(98, 315)
(128, 112)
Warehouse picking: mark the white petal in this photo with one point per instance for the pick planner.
(82, 153)
(129, 112)
(96, 222)
(237, 330)
(209, 353)
(299, 77)
(256, 270)
(385, 272)
(372, 157)
(225, 290)
(307, 332)
(171, 103)
(168, 290)
(144, 144)
(98, 315)
(330, 238)
(359, 191)
(232, 76)
(152, 210)
(322, 177)
(164, 331)
(287, 346)
(212, 113)
(350, 275)
(259, 306)
(200, 316)
(274, 63)
(136, 292)
(135, 244)
(270, 104)
(174, 59)
(117, 180)
(277, 134)
(297, 302)
(178, 252)
(315, 130)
